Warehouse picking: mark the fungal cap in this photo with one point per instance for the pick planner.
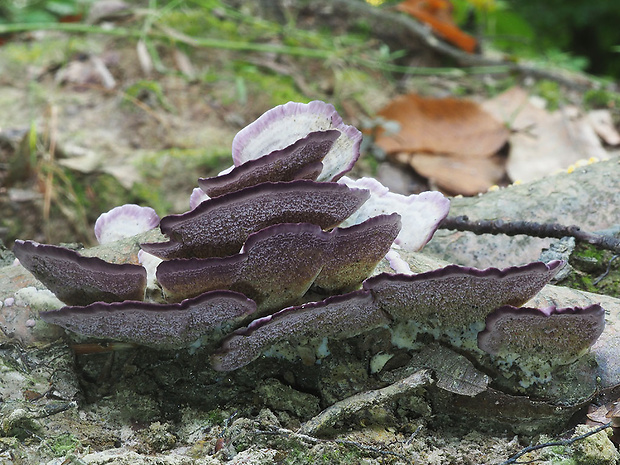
(124, 221)
(457, 296)
(336, 317)
(283, 125)
(421, 214)
(163, 326)
(300, 160)
(559, 335)
(219, 226)
(78, 280)
(334, 261)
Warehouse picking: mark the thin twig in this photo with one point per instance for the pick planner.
(530, 228)
(563, 442)
(606, 273)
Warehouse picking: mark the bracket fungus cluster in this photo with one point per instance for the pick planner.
(241, 271)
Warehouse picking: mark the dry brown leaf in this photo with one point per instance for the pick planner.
(458, 176)
(446, 126)
(544, 142)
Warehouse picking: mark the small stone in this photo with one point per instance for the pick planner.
(19, 423)
(159, 438)
(596, 449)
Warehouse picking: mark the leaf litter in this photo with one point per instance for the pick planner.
(463, 147)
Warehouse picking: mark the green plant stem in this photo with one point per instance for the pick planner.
(173, 36)
(196, 41)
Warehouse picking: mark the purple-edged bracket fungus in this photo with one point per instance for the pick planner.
(285, 124)
(337, 317)
(301, 160)
(219, 226)
(421, 214)
(124, 221)
(208, 317)
(280, 263)
(539, 340)
(78, 280)
(453, 302)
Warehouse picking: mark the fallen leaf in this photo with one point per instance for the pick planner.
(448, 126)
(31, 395)
(602, 123)
(452, 142)
(454, 372)
(457, 176)
(438, 15)
(543, 142)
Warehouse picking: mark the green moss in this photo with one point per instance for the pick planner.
(204, 161)
(327, 454)
(601, 98)
(596, 449)
(18, 423)
(212, 19)
(63, 444)
(38, 52)
(590, 264)
(257, 82)
(551, 92)
(150, 193)
(150, 92)
(216, 417)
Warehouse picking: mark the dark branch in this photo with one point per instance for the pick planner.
(392, 23)
(529, 228)
(563, 442)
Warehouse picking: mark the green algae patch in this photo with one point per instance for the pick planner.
(595, 270)
(63, 444)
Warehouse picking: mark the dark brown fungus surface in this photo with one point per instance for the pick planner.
(163, 326)
(557, 335)
(355, 252)
(301, 160)
(336, 317)
(277, 266)
(218, 227)
(280, 263)
(78, 280)
(457, 296)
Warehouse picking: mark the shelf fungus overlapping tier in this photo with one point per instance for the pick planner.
(277, 252)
